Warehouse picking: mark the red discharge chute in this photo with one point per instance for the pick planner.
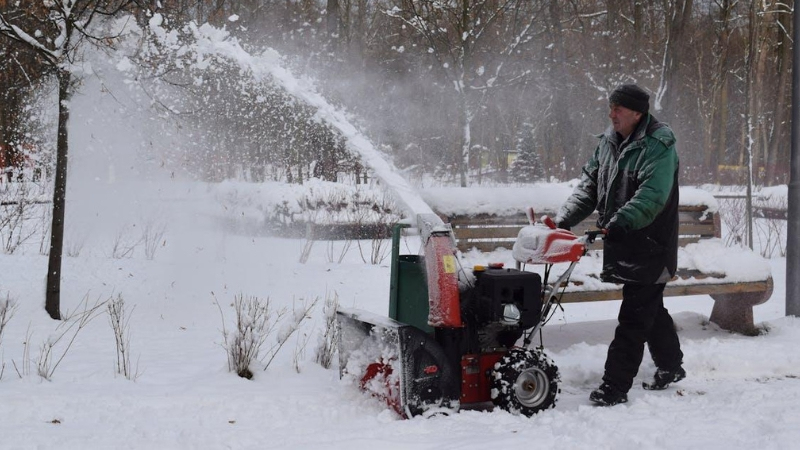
(442, 273)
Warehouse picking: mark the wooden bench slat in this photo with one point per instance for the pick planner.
(686, 214)
(489, 221)
(485, 246)
(699, 229)
(467, 233)
(671, 290)
(488, 232)
(456, 221)
(489, 245)
(684, 241)
(693, 208)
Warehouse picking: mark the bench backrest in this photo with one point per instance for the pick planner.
(489, 232)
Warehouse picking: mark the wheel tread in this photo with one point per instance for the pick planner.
(508, 369)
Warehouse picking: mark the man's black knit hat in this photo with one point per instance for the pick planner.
(632, 97)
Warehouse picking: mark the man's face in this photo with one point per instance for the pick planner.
(623, 119)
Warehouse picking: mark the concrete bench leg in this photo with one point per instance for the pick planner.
(734, 312)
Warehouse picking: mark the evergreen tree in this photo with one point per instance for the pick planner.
(527, 167)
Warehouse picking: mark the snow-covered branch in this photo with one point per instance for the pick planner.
(16, 33)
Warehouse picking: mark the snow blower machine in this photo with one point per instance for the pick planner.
(451, 343)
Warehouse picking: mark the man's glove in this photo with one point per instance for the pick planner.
(562, 226)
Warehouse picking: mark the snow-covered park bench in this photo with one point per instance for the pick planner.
(736, 278)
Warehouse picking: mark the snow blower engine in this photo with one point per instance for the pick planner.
(450, 344)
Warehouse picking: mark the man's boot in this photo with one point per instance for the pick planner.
(608, 395)
(663, 378)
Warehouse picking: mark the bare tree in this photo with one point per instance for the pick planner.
(62, 27)
(333, 19)
(714, 95)
(678, 17)
(472, 43)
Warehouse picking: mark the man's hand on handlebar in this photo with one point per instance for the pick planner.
(591, 235)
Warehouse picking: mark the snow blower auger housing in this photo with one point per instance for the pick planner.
(445, 347)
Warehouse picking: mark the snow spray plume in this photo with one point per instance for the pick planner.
(204, 49)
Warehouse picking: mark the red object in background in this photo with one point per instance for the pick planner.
(475, 372)
(440, 267)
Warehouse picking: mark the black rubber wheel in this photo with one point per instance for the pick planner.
(524, 382)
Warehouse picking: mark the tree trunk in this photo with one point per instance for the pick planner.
(724, 118)
(748, 156)
(677, 23)
(778, 148)
(638, 33)
(11, 121)
(332, 23)
(466, 142)
(758, 97)
(53, 295)
(718, 131)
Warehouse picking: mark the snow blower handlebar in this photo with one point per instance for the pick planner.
(558, 245)
(591, 235)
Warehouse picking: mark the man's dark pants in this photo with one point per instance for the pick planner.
(642, 319)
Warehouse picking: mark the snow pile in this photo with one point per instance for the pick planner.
(692, 196)
(761, 194)
(507, 201)
(734, 264)
(774, 192)
(501, 201)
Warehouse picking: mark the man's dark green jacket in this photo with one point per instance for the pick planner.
(633, 185)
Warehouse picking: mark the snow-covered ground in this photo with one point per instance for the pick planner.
(740, 391)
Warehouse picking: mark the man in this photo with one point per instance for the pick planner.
(632, 182)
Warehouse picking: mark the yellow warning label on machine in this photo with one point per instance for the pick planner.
(449, 262)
